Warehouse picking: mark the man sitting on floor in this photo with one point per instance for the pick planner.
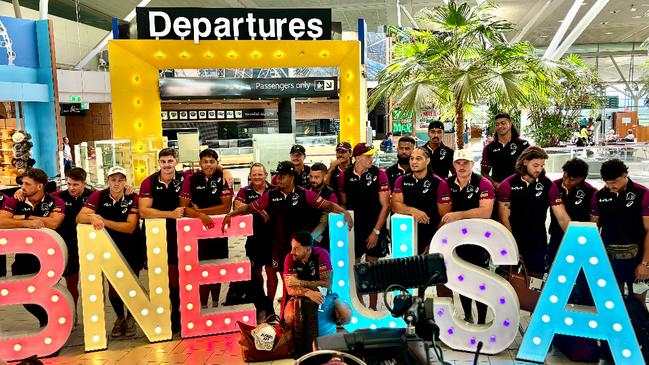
(307, 273)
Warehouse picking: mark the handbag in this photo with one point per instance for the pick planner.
(521, 280)
(282, 347)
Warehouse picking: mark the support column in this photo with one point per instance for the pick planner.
(286, 115)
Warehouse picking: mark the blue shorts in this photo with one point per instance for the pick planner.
(327, 315)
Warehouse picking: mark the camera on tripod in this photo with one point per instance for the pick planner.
(407, 345)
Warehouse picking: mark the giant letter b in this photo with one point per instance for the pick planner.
(41, 289)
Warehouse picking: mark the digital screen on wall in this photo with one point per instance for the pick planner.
(187, 88)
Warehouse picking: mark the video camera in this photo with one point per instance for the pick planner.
(405, 346)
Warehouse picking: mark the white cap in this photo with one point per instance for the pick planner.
(116, 170)
(464, 154)
(264, 335)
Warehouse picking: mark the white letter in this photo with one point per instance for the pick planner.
(182, 27)
(280, 23)
(271, 31)
(296, 28)
(198, 34)
(477, 283)
(250, 19)
(222, 27)
(236, 22)
(153, 33)
(315, 28)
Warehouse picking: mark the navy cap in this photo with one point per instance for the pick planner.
(286, 167)
(436, 125)
(297, 148)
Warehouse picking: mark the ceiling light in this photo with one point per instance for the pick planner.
(636, 16)
(633, 8)
(603, 23)
(608, 33)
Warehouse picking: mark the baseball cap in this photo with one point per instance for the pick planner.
(436, 124)
(464, 154)
(298, 148)
(344, 146)
(286, 167)
(264, 336)
(116, 170)
(363, 149)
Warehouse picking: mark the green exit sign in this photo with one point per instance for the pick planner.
(85, 106)
(75, 99)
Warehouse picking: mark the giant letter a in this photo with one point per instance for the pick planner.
(581, 249)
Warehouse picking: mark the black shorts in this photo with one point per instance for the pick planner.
(213, 248)
(25, 264)
(381, 249)
(133, 254)
(259, 251)
(72, 267)
(473, 254)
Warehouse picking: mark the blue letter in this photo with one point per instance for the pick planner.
(581, 248)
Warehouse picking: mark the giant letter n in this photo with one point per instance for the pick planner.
(98, 255)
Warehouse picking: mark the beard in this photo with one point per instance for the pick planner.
(403, 160)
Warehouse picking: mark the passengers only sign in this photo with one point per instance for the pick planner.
(233, 24)
(186, 88)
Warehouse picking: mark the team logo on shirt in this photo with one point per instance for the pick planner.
(580, 197)
(469, 190)
(370, 178)
(513, 148)
(427, 184)
(213, 185)
(539, 189)
(125, 204)
(442, 154)
(630, 197)
(177, 184)
(295, 198)
(46, 207)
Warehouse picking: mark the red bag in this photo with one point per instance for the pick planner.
(527, 296)
(283, 346)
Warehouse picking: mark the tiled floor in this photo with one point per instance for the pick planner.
(223, 349)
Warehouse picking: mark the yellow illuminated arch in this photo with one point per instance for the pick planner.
(135, 91)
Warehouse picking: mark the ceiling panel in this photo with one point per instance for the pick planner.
(616, 23)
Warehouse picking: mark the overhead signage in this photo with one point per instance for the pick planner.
(73, 109)
(187, 88)
(233, 24)
(212, 114)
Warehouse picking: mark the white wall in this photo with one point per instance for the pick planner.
(92, 86)
(70, 46)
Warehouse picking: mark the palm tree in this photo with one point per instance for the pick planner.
(462, 58)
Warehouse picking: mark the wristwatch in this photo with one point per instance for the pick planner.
(376, 231)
